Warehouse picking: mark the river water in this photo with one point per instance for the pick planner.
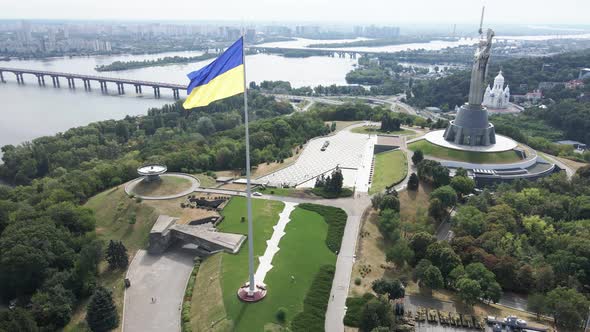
(28, 111)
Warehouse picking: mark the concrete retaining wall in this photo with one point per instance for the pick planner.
(456, 164)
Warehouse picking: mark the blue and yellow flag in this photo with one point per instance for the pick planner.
(222, 78)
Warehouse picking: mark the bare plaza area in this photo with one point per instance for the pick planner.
(349, 151)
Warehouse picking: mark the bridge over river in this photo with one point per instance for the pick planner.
(86, 79)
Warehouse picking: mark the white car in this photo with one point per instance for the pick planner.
(256, 193)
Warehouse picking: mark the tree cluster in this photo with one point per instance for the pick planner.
(332, 183)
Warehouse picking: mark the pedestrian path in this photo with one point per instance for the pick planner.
(272, 245)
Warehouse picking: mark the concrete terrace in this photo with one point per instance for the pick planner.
(349, 151)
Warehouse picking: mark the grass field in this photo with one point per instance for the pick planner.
(167, 185)
(376, 130)
(436, 151)
(205, 181)
(302, 251)
(287, 192)
(390, 168)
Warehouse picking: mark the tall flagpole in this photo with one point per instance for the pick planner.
(252, 287)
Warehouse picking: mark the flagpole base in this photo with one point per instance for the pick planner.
(245, 295)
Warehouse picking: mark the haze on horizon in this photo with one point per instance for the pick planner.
(568, 12)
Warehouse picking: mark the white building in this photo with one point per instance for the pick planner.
(497, 97)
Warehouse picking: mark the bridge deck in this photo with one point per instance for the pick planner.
(94, 78)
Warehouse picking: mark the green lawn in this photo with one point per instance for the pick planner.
(391, 167)
(119, 217)
(286, 192)
(430, 149)
(168, 185)
(302, 251)
(376, 130)
(205, 180)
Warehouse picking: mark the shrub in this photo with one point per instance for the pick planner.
(346, 192)
(354, 309)
(281, 315)
(336, 219)
(316, 302)
(357, 281)
(138, 199)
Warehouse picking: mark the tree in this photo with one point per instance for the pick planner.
(469, 290)
(101, 313)
(419, 243)
(436, 209)
(432, 278)
(388, 225)
(446, 195)
(442, 256)
(205, 126)
(440, 176)
(333, 183)
(18, 319)
(375, 313)
(400, 253)
(537, 303)
(568, 307)
(390, 202)
(462, 185)
(461, 172)
(420, 268)
(392, 287)
(76, 219)
(417, 157)
(469, 221)
(504, 215)
(413, 182)
(27, 250)
(53, 308)
(122, 131)
(116, 255)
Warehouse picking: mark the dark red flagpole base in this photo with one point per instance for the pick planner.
(245, 295)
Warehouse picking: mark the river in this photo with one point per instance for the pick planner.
(30, 111)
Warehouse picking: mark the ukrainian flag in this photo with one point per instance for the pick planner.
(222, 78)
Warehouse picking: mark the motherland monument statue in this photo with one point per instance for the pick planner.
(471, 126)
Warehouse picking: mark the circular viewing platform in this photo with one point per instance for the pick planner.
(152, 172)
(503, 143)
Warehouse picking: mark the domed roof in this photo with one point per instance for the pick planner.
(500, 77)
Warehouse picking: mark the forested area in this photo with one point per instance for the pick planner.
(527, 237)
(522, 75)
(125, 65)
(49, 252)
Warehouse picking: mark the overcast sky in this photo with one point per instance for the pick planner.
(341, 11)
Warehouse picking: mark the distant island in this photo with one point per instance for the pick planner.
(373, 42)
(169, 60)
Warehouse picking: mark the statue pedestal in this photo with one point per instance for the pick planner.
(471, 127)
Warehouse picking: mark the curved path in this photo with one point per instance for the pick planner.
(194, 185)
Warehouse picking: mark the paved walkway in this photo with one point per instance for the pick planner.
(163, 278)
(272, 245)
(346, 150)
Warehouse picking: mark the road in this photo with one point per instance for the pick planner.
(158, 282)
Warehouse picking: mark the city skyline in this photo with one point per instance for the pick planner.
(349, 12)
